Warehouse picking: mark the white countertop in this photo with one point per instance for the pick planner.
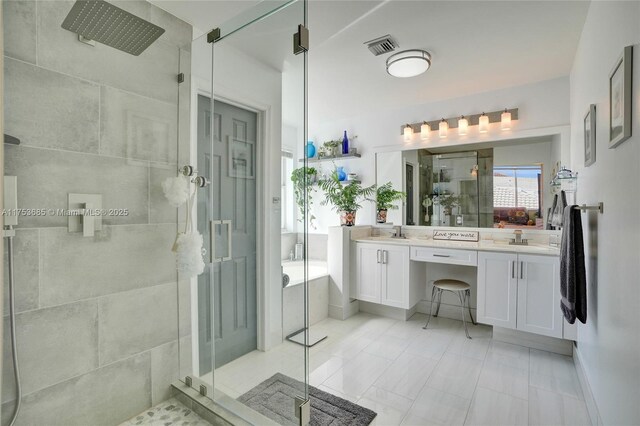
(483, 245)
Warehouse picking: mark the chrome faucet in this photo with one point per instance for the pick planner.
(397, 232)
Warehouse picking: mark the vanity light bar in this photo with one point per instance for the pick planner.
(494, 117)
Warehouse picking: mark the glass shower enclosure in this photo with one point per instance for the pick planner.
(248, 85)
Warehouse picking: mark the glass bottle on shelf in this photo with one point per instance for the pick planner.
(345, 144)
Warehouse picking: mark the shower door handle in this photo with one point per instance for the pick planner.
(212, 237)
(229, 239)
(212, 240)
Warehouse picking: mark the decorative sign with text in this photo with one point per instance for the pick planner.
(456, 235)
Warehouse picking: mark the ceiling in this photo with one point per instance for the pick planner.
(476, 46)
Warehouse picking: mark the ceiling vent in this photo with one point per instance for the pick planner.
(382, 45)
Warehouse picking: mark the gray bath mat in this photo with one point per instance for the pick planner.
(275, 398)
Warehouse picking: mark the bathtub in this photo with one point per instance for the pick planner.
(295, 270)
(293, 294)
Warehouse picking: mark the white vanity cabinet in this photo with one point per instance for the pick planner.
(383, 275)
(520, 291)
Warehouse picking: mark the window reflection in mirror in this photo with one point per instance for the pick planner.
(517, 197)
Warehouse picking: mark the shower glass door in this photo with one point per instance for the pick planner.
(248, 86)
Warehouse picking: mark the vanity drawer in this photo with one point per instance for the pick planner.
(443, 255)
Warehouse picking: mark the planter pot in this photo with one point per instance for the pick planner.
(347, 218)
(381, 217)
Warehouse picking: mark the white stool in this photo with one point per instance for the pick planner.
(462, 289)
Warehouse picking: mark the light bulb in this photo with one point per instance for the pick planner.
(483, 123)
(505, 120)
(463, 126)
(443, 128)
(408, 133)
(425, 129)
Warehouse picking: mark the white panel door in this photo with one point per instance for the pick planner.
(395, 276)
(539, 295)
(497, 289)
(369, 280)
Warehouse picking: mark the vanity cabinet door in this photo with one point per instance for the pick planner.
(395, 276)
(497, 289)
(539, 295)
(368, 272)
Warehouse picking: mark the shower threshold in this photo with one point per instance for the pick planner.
(298, 337)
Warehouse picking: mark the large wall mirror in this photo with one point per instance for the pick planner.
(497, 185)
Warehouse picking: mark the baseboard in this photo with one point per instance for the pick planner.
(535, 341)
(592, 407)
(387, 311)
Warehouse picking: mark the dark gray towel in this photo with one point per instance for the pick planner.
(573, 280)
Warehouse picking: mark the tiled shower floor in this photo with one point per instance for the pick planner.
(167, 413)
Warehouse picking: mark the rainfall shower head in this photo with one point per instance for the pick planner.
(105, 23)
(11, 140)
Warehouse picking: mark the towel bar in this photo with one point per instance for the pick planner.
(599, 207)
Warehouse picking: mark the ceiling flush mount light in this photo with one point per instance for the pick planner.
(425, 129)
(483, 123)
(443, 128)
(463, 126)
(505, 120)
(408, 63)
(408, 133)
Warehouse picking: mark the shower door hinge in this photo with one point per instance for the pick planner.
(301, 40)
(303, 410)
(181, 77)
(213, 35)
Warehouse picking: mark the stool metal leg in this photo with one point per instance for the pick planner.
(462, 297)
(469, 307)
(433, 294)
(439, 301)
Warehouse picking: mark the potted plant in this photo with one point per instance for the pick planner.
(303, 179)
(385, 197)
(345, 199)
(447, 201)
(334, 147)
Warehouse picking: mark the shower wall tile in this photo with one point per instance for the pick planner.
(107, 396)
(26, 269)
(135, 321)
(152, 74)
(19, 23)
(164, 371)
(184, 109)
(54, 345)
(46, 177)
(184, 307)
(137, 127)
(160, 211)
(50, 110)
(119, 258)
(186, 360)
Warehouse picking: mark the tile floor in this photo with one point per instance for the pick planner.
(412, 376)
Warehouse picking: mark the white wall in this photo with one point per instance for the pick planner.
(543, 104)
(609, 344)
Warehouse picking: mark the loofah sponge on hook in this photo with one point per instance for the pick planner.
(176, 190)
(189, 254)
